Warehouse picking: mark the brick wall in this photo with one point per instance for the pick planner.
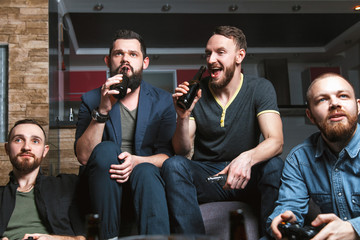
(68, 161)
(24, 27)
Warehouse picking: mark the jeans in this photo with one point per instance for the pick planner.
(186, 187)
(144, 191)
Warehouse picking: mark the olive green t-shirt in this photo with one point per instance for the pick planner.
(25, 217)
(128, 125)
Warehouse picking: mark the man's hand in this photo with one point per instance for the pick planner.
(121, 172)
(107, 98)
(335, 228)
(287, 216)
(238, 171)
(39, 236)
(180, 90)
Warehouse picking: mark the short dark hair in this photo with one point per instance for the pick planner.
(128, 34)
(234, 33)
(26, 121)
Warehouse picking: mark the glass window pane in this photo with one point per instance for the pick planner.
(3, 92)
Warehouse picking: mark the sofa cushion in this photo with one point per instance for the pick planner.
(216, 216)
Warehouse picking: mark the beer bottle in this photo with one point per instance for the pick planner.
(237, 225)
(92, 227)
(123, 86)
(187, 99)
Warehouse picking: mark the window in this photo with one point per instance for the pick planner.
(3, 92)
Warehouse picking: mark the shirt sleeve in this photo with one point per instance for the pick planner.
(266, 100)
(293, 193)
(84, 119)
(355, 222)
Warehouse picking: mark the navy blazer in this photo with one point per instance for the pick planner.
(155, 123)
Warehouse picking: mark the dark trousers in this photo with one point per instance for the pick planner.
(144, 191)
(186, 187)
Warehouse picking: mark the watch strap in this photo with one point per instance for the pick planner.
(98, 117)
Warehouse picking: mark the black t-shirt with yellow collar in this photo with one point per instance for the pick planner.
(223, 132)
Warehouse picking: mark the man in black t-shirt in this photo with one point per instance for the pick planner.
(32, 204)
(225, 126)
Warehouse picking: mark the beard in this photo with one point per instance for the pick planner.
(24, 164)
(229, 73)
(134, 79)
(338, 131)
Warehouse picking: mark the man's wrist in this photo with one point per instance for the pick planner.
(102, 112)
(99, 117)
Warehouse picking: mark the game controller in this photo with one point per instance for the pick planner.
(294, 231)
(221, 179)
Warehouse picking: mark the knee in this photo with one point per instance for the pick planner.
(173, 164)
(145, 171)
(146, 175)
(104, 154)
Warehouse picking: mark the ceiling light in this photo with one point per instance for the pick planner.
(166, 8)
(357, 8)
(233, 8)
(98, 7)
(296, 8)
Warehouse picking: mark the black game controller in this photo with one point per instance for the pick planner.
(221, 179)
(294, 231)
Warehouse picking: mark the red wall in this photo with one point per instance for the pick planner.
(81, 82)
(183, 75)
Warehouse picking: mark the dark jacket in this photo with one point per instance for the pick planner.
(155, 123)
(54, 199)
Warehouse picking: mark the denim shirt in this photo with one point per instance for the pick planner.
(312, 171)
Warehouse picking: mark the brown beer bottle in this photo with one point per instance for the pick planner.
(187, 99)
(92, 227)
(237, 225)
(123, 86)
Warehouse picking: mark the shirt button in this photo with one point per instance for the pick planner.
(353, 201)
(336, 169)
(345, 218)
(339, 194)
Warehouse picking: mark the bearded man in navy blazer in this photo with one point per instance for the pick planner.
(123, 142)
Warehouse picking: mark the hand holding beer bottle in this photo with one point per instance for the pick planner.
(187, 99)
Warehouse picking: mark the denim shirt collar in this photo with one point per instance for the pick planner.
(352, 148)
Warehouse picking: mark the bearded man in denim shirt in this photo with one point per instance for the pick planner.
(326, 167)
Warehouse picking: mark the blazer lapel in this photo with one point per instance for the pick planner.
(144, 109)
(114, 126)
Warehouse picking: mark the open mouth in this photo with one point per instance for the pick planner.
(215, 72)
(125, 69)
